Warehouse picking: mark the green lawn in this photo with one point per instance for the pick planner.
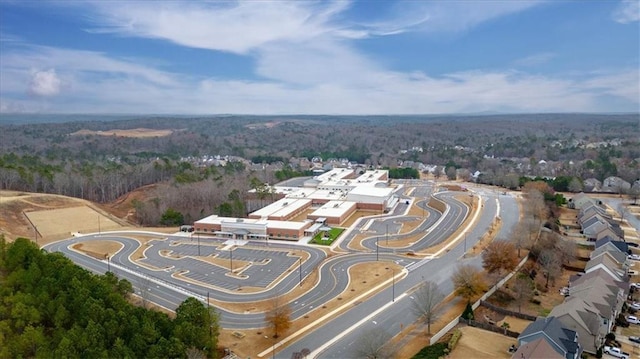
(331, 236)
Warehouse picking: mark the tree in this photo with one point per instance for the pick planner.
(499, 256)
(576, 185)
(451, 173)
(468, 281)
(550, 263)
(371, 345)
(279, 317)
(427, 298)
(196, 325)
(523, 289)
(171, 217)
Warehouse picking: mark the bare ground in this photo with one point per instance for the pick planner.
(477, 343)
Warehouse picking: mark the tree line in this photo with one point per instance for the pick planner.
(51, 308)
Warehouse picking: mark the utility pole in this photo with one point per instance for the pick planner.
(98, 223)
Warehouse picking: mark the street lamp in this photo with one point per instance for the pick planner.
(108, 262)
(393, 285)
(231, 258)
(300, 267)
(465, 243)
(377, 248)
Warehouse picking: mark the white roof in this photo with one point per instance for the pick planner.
(335, 174)
(334, 209)
(372, 191)
(282, 207)
(372, 176)
(286, 224)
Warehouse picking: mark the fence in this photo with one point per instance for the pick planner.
(434, 339)
(508, 312)
(491, 327)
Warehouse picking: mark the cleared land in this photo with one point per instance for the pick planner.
(135, 132)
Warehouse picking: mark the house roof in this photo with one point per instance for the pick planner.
(602, 294)
(580, 312)
(600, 272)
(622, 246)
(537, 349)
(612, 250)
(562, 340)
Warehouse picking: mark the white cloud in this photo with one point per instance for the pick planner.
(534, 60)
(627, 11)
(45, 83)
(446, 16)
(305, 60)
(236, 27)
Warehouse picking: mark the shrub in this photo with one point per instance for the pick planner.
(468, 312)
(454, 339)
(432, 351)
(535, 301)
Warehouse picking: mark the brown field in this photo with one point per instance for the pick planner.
(135, 132)
(83, 219)
(478, 343)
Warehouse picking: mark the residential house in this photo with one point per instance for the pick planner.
(608, 262)
(584, 319)
(580, 200)
(563, 342)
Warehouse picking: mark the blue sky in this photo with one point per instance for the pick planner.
(320, 57)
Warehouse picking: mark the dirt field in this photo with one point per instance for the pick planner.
(81, 219)
(135, 132)
(477, 343)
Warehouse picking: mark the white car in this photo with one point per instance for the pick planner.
(635, 285)
(634, 257)
(633, 319)
(634, 305)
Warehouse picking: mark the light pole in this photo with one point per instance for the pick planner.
(387, 234)
(98, 223)
(108, 263)
(300, 267)
(231, 258)
(377, 248)
(198, 244)
(393, 285)
(465, 243)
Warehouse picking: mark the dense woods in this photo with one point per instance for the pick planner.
(51, 308)
(205, 165)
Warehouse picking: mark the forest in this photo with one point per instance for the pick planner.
(51, 308)
(77, 159)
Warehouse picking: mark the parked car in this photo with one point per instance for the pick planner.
(634, 257)
(616, 352)
(633, 319)
(632, 272)
(565, 291)
(635, 285)
(634, 339)
(634, 305)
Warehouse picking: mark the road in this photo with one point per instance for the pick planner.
(161, 287)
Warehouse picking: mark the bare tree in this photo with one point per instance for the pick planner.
(144, 285)
(523, 289)
(468, 281)
(372, 345)
(550, 263)
(576, 185)
(426, 300)
(279, 317)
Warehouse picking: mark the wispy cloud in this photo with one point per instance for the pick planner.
(627, 11)
(306, 61)
(534, 60)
